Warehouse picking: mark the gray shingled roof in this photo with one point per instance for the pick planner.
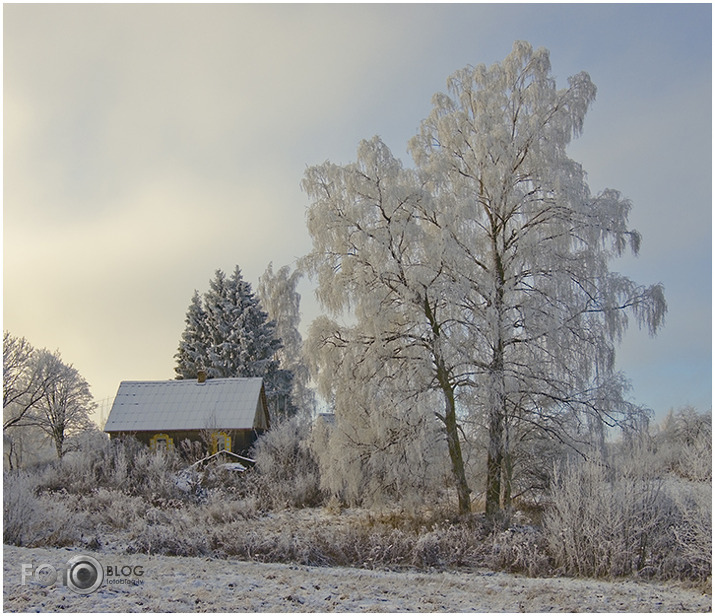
(226, 404)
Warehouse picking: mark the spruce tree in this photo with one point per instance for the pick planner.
(192, 353)
(228, 334)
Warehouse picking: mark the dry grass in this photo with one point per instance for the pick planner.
(599, 522)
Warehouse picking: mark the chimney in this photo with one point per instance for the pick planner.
(201, 376)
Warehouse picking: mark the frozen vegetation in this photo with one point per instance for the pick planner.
(643, 514)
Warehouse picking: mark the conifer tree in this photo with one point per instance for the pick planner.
(228, 334)
(192, 351)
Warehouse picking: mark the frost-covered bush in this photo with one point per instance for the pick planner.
(520, 549)
(170, 532)
(111, 510)
(20, 506)
(224, 508)
(600, 524)
(286, 473)
(684, 444)
(32, 520)
(693, 530)
(86, 440)
(124, 465)
(608, 521)
(352, 538)
(92, 465)
(154, 475)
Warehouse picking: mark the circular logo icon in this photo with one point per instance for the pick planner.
(84, 574)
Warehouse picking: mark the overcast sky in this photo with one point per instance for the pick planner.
(145, 146)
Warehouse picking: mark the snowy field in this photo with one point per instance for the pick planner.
(177, 584)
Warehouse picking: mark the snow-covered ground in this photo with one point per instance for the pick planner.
(174, 584)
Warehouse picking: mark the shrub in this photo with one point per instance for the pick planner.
(169, 532)
(692, 531)
(286, 474)
(353, 538)
(33, 521)
(20, 507)
(124, 465)
(684, 443)
(604, 521)
(222, 508)
(520, 549)
(109, 510)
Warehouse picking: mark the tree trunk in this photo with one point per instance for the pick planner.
(494, 462)
(59, 437)
(497, 406)
(450, 416)
(9, 447)
(455, 450)
(508, 465)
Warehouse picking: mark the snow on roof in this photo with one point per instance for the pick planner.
(159, 406)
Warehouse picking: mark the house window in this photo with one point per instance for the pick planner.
(220, 441)
(161, 442)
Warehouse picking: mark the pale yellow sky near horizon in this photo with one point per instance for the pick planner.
(145, 146)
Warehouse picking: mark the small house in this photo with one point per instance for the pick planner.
(220, 414)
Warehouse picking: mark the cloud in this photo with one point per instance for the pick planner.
(147, 145)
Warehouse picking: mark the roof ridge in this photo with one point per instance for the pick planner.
(208, 380)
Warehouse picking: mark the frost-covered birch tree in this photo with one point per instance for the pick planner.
(377, 252)
(278, 294)
(487, 267)
(536, 246)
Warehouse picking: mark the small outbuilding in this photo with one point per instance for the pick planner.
(220, 414)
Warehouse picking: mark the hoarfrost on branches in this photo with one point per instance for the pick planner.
(41, 394)
(485, 270)
(278, 295)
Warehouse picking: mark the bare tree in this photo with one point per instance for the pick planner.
(25, 380)
(64, 407)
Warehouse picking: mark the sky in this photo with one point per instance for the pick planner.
(146, 146)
